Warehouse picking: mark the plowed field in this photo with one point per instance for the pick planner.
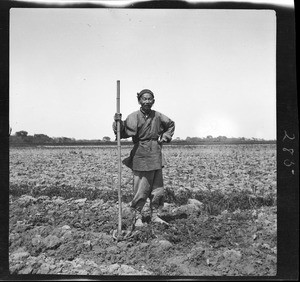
(220, 203)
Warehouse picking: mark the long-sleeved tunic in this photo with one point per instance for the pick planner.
(145, 131)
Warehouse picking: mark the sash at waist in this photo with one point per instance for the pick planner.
(145, 140)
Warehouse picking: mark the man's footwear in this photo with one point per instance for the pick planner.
(156, 219)
(139, 223)
(159, 220)
(137, 219)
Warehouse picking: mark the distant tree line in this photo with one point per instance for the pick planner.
(221, 140)
(21, 138)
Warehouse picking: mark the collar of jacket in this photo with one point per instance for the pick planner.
(145, 114)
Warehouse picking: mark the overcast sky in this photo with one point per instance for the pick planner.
(212, 71)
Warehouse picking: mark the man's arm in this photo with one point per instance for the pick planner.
(128, 128)
(169, 128)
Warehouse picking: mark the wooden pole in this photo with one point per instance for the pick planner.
(119, 161)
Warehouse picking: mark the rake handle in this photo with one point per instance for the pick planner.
(119, 161)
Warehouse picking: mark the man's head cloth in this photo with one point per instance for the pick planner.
(144, 91)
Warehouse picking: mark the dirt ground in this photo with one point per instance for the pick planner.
(220, 203)
(74, 237)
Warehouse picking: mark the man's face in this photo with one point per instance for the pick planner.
(146, 101)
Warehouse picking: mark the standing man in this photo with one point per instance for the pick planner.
(149, 129)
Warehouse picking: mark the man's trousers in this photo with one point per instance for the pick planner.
(148, 184)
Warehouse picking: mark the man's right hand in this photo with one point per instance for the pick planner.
(117, 117)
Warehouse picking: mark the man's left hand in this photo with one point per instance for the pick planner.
(162, 140)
